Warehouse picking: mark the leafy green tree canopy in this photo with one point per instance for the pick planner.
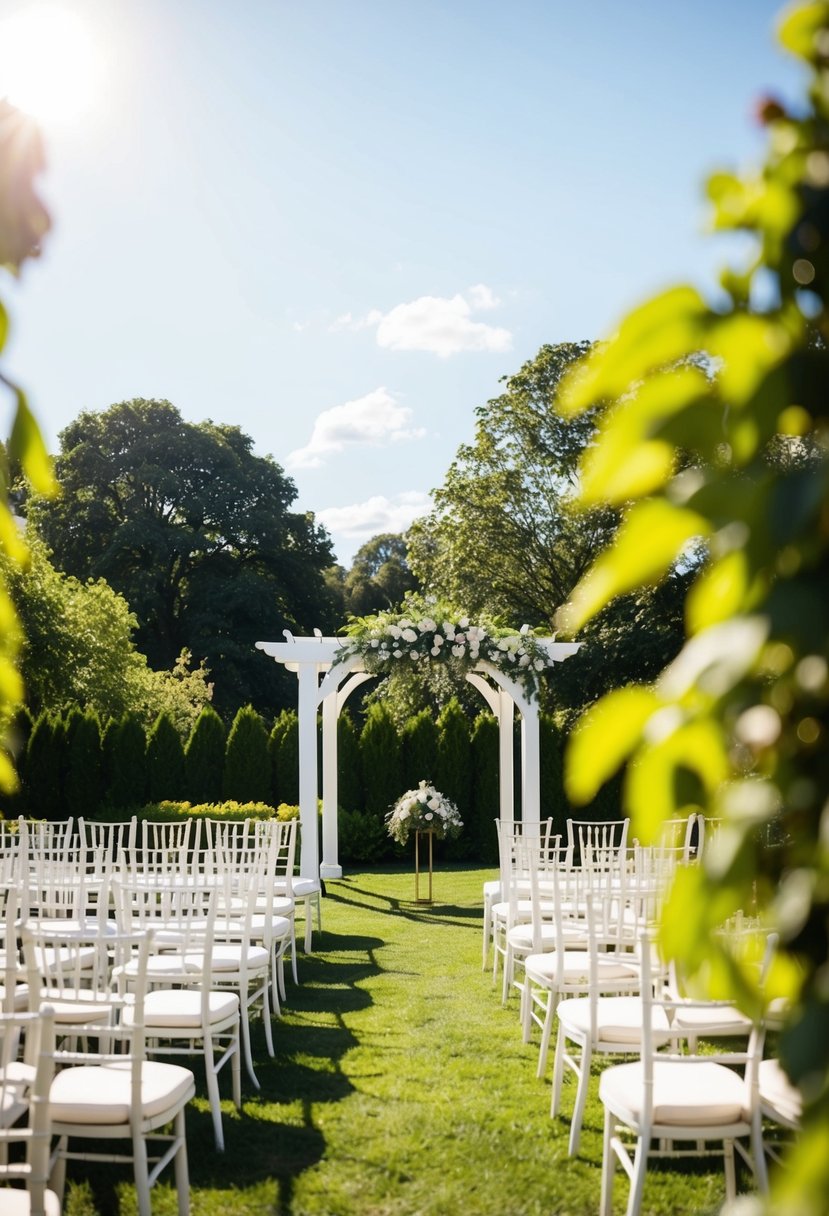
(379, 576)
(196, 532)
(503, 537)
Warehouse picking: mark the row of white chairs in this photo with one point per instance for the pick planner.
(574, 932)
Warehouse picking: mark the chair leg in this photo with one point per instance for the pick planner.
(266, 1018)
(608, 1166)
(581, 1095)
(758, 1154)
(547, 1032)
(309, 925)
(213, 1097)
(558, 1074)
(57, 1175)
(637, 1185)
(180, 1166)
(730, 1174)
(236, 1068)
(487, 931)
(245, 1027)
(140, 1167)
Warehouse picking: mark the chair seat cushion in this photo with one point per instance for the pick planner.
(696, 1094)
(277, 926)
(713, 1019)
(21, 997)
(778, 1096)
(303, 887)
(618, 1019)
(100, 1093)
(19, 1203)
(576, 967)
(228, 957)
(521, 936)
(181, 1008)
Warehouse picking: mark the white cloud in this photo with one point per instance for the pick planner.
(438, 324)
(376, 419)
(362, 520)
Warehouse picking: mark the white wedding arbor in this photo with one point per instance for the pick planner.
(325, 686)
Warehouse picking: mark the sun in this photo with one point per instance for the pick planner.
(50, 65)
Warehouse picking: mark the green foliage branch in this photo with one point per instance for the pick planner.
(737, 725)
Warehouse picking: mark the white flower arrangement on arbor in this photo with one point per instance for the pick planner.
(428, 632)
(423, 810)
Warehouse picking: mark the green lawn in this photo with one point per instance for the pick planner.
(400, 1087)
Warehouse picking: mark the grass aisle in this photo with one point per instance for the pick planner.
(400, 1087)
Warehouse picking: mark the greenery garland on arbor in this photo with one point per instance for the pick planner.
(430, 631)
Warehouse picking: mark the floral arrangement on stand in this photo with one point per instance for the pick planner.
(427, 631)
(421, 810)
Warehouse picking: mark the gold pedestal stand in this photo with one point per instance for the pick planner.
(428, 832)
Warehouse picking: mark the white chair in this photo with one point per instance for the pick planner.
(777, 1101)
(183, 1012)
(17, 1097)
(585, 953)
(665, 1099)
(112, 1094)
(607, 1021)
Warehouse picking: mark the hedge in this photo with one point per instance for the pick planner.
(375, 765)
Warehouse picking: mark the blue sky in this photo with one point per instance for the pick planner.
(338, 223)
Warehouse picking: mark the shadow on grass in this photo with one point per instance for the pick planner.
(434, 914)
(276, 1137)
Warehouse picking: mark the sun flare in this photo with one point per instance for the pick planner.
(50, 65)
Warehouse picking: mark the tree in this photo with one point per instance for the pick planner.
(379, 577)
(79, 649)
(283, 745)
(486, 777)
(247, 775)
(43, 786)
(504, 537)
(196, 532)
(380, 758)
(418, 749)
(165, 761)
(204, 758)
(737, 725)
(83, 785)
(453, 768)
(125, 763)
(349, 777)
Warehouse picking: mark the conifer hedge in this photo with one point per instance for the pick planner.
(70, 769)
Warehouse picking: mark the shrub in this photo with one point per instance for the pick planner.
(165, 760)
(125, 762)
(418, 750)
(83, 784)
(362, 837)
(380, 760)
(44, 761)
(453, 775)
(484, 753)
(204, 757)
(283, 746)
(349, 776)
(247, 774)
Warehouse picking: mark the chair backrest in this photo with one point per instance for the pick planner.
(163, 849)
(597, 841)
(106, 840)
(46, 834)
(17, 1096)
(279, 839)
